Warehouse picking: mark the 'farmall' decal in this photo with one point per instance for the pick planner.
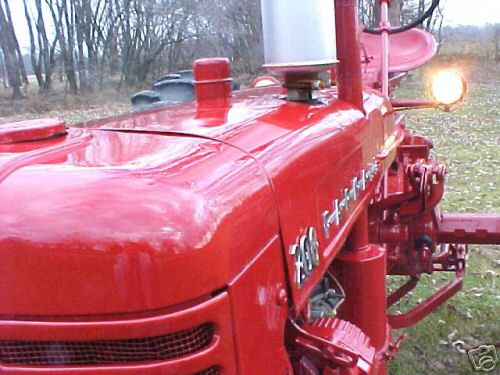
(306, 250)
(341, 206)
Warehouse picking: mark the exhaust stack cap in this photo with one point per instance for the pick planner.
(299, 36)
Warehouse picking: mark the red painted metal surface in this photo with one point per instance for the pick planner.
(212, 79)
(361, 271)
(217, 310)
(408, 51)
(275, 131)
(146, 166)
(384, 53)
(349, 67)
(330, 343)
(469, 228)
(43, 155)
(154, 224)
(426, 307)
(259, 302)
(452, 258)
(132, 169)
(159, 225)
(413, 104)
(31, 130)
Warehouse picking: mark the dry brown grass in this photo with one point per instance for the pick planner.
(60, 104)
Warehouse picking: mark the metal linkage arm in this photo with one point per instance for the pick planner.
(469, 229)
(451, 259)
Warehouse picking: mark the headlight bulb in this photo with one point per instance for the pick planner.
(448, 87)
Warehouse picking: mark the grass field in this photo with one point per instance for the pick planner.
(468, 141)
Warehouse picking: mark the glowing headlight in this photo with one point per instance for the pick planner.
(448, 87)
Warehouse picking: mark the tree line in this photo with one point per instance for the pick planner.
(87, 43)
(91, 41)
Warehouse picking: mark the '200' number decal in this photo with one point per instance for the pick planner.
(306, 255)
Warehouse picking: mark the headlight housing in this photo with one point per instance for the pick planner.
(448, 87)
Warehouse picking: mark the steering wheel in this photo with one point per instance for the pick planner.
(412, 24)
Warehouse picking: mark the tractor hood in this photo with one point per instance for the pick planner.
(130, 222)
(166, 206)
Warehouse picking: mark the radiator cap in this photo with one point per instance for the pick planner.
(212, 82)
(31, 130)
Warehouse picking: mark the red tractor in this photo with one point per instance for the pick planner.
(245, 232)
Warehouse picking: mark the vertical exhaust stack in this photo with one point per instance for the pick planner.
(299, 43)
(349, 81)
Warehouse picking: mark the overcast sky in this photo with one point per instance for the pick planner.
(457, 12)
(472, 12)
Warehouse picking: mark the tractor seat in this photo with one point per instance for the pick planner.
(409, 50)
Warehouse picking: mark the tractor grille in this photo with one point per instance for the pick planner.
(173, 345)
(214, 370)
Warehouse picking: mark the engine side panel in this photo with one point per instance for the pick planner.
(260, 309)
(311, 167)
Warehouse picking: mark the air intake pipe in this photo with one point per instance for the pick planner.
(298, 35)
(299, 43)
(304, 38)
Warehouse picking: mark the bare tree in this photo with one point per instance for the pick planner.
(496, 40)
(62, 21)
(35, 55)
(22, 68)
(14, 64)
(395, 12)
(47, 48)
(3, 72)
(67, 43)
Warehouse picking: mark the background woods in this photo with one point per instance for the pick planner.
(88, 44)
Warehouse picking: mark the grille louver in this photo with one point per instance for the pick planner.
(71, 353)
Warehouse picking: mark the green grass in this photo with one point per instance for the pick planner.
(468, 141)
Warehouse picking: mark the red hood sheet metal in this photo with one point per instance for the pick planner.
(133, 222)
(309, 151)
(138, 221)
